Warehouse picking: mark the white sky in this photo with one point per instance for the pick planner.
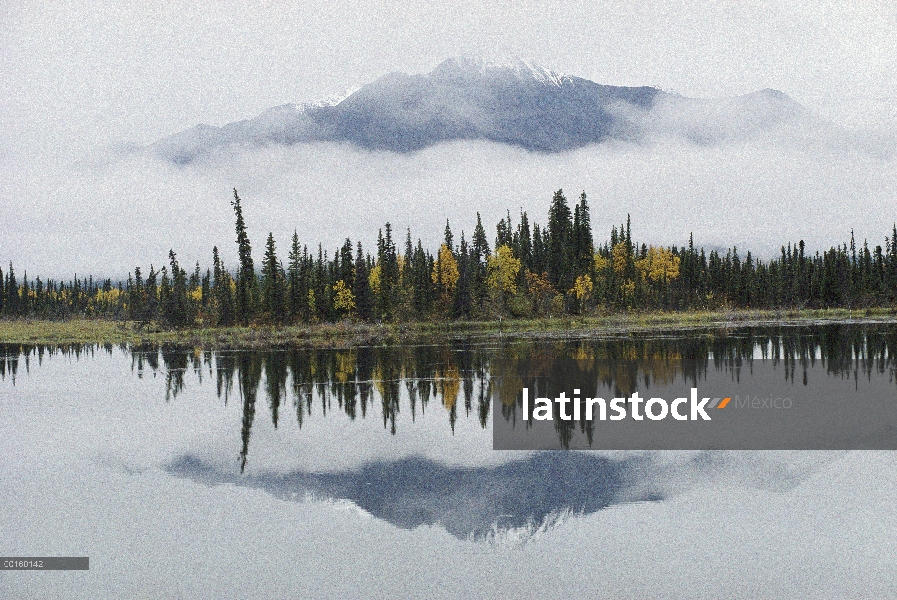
(78, 74)
(81, 77)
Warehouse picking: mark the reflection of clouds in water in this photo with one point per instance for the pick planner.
(759, 524)
(523, 496)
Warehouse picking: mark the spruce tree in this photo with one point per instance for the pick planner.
(461, 300)
(449, 238)
(560, 246)
(12, 293)
(151, 310)
(246, 281)
(364, 303)
(272, 283)
(175, 306)
(583, 244)
(479, 254)
(296, 294)
(221, 290)
(539, 262)
(389, 274)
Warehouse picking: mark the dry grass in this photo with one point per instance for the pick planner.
(346, 334)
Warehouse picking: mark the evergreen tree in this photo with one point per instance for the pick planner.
(479, 254)
(136, 295)
(346, 267)
(221, 290)
(364, 303)
(387, 262)
(12, 293)
(296, 292)
(525, 242)
(449, 239)
(462, 301)
(164, 293)
(422, 288)
(174, 302)
(246, 281)
(273, 288)
(539, 262)
(560, 243)
(152, 296)
(584, 250)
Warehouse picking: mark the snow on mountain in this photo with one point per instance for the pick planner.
(512, 102)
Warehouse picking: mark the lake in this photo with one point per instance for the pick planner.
(370, 472)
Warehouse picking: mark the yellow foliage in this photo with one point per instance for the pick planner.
(621, 254)
(374, 279)
(345, 366)
(601, 263)
(196, 294)
(343, 298)
(582, 288)
(450, 383)
(659, 264)
(557, 305)
(111, 296)
(445, 272)
(502, 269)
(539, 285)
(541, 289)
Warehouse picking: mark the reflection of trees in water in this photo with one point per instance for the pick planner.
(461, 376)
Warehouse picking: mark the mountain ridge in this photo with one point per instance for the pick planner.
(517, 103)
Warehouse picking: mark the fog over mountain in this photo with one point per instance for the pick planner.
(755, 171)
(515, 103)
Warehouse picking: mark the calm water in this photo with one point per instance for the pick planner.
(370, 473)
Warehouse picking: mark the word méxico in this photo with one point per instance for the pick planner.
(655, 409)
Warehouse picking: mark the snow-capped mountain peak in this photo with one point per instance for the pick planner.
(522, 69)
(511, 101)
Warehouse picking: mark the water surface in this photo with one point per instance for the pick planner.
(370, 472)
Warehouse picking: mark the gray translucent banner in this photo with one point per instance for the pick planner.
(772, 405)
(45, 563)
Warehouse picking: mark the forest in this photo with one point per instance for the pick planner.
(527, 271)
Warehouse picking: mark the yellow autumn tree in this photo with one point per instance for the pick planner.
(659, 264)
(502, 269)
(540, 289)
(445, 273)
(374, 279)
(621, 254)
(343, 298)
(582, 287)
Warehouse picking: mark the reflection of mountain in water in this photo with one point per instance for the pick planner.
(467, 501)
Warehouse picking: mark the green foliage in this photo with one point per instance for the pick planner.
(553, 270)
(273, 284)
(246, 280)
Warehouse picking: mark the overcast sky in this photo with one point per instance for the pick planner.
(81, 77)
(85, 73)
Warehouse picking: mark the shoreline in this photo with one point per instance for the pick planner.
(347, 334)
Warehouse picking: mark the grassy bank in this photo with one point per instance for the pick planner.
(348, 334)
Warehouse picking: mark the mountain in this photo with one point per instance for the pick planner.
(515, 103)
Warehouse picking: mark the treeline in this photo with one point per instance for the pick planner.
(528, 270)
